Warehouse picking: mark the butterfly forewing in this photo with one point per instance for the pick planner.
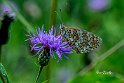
(81, 40)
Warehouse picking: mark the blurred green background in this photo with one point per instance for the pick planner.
(104, 18)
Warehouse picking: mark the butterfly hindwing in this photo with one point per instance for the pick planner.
(81, 40)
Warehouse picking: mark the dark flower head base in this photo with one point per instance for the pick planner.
(43, 40)
(44, 57)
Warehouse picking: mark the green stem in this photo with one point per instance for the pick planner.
(52, 13)
(41, 67)
(112, 50)
(52, 21)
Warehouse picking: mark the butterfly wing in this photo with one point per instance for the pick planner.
(81, 40)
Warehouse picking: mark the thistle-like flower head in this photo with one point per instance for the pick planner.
(50, 41)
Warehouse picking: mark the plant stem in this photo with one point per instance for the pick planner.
(41, 67)
(52, 13)
(52, 21)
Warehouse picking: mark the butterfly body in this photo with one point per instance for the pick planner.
(81, 40)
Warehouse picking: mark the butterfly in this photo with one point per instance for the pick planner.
(82, 41)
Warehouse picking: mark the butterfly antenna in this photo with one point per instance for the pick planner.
(41, 67)
(59, 16)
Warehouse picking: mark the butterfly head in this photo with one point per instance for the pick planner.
(62, 28)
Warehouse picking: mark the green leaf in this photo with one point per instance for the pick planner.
(3, 75)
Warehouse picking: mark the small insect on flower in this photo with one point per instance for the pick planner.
(81, 40)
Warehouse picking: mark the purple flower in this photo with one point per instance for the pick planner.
(5, 9)
(98, 4)
(43, 40)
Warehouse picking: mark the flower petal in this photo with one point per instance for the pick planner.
(51, 53)
(39, 51)
(59, 54)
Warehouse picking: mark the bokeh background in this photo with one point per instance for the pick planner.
(104, 18)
